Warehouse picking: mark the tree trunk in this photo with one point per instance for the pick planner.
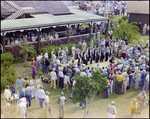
(26, 55)
(85, 109)
(90, 104)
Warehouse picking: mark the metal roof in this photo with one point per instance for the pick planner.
(140, 7)
(45, 20)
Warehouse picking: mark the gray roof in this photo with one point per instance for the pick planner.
(140, 7)
(7, 7)
(52, 7)
(45, 20)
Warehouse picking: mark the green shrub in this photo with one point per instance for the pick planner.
(7, 76)
(124, 18)
(18, 60)
(7, 57)
(34, 55)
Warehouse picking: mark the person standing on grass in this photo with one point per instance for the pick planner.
(66, 81)
(142, 97)
(133, 108)
(28, 91)
(111, 110)
(40, 94)
(20, 82)
(61, 77)
(7, 93)
(61, 101)
(53, 78)
(21, 108)
(146, 83)
(47, 63)
(119, 82)
(33, 71)
(12, 88)
(47, 101)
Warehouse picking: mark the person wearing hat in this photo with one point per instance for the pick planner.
(53, 78)
(47, 101)
(142, 99)
(133, 108)
(111, 110)
(119, 83)
(61, 102)
(21, 91)
(40, 94)
(7, 93)
(125, 81)
(146, 82)
(137, 79)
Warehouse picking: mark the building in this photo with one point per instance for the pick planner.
(138, 11)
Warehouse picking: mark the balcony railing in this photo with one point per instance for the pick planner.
(62, 38)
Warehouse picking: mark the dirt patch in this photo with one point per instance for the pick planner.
(22, 71)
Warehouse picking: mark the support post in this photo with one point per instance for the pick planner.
(106, 29)
(68, 34)
(3, 43)
(38, 40)
(90, 31)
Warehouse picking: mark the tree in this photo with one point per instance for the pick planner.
(85, 89)
(25, 49)
(125, 29)
(8, 72)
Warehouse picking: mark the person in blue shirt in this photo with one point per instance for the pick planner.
(21, 91)
(105, 72)
(111, 23)
(20, 82)
(131, 78)
(129, 60)
(87, 71)
(141, 67)
(143, 76)
(92, 43)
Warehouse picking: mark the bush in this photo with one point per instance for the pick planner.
(18, 60)
(122, 18)
(7, 76)
(7, 57)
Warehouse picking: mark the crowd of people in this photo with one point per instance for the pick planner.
(133, 68)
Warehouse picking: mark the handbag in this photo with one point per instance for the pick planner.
(134, 111)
